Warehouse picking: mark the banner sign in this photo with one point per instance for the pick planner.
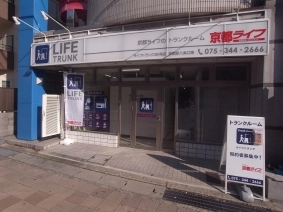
(74, 98)
(245, 150)
(243, 38)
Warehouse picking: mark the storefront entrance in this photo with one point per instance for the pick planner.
(160, 107)
(141, 112)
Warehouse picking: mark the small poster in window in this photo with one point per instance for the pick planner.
(97, 124)
(97, 116)
(88, 103)
(105, 116)
(90, 115)
(84, 123)
(101, 103)
(90, 123)
(105, 125)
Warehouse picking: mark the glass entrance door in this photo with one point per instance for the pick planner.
(148, 118)
(141, 118)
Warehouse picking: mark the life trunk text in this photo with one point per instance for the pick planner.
(65, 52)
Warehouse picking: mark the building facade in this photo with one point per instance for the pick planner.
(162, 75)
(8, 44)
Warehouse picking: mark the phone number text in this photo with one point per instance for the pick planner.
(244, 180)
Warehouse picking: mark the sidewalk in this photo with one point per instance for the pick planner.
(57, 187)
(150, 167)
(143, 165)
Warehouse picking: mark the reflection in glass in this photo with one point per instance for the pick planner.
(133, 74)
(168, 118)
(107, 75)
(145, 122)
(126, 116)
(192, 73)
(202, 112)
(158, 73)
(231, 73)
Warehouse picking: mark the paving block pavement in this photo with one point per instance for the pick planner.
(26, 185)
(68, 169)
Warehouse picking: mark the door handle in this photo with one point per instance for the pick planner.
(157, 118)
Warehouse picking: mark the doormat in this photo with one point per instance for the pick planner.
(213, 177)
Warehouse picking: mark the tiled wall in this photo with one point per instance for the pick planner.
(93, 138)
(6, 124)
(193, 150)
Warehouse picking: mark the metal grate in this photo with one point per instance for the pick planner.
(209, 203)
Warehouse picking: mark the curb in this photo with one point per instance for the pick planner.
(35, 147)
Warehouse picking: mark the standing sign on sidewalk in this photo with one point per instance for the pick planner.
(74, 98)
(245, 151)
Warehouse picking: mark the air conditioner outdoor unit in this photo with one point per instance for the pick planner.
(50, 115)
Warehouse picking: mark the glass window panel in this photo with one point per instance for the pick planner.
(205, 74)
(133, 74)
(158, 73)
(89, 74)
(169, 118)
(107, 75)
(187, 114)
(100, 109)
(146, 127)
(126, 115)
(215, 105)
(6, 84)
(202, 112)
(192, 73)
(231, 73)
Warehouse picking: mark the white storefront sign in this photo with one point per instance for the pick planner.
(243, 38)
(74, 98)
(245, 150)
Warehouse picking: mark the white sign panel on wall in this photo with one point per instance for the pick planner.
(245, 151)
(243, 38)
(74, 98)
(59, 53)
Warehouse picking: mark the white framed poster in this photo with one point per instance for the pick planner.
(245, 154)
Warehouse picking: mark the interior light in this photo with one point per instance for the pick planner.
(133, 69)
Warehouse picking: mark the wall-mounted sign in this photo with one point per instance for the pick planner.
(242, 38)
(146, 105)
(42, 54)
(245, 150)
(101, 103)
